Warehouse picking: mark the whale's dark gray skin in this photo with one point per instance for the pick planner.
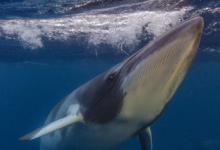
(125, 100)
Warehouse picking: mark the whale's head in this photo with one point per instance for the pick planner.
(152, 74)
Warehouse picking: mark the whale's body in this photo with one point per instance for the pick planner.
(124, 101)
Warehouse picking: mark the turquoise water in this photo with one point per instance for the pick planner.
(47, 51)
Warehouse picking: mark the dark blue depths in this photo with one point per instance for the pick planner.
(29, 91)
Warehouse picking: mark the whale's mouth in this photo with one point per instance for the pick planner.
(169, 55)
(156, 71)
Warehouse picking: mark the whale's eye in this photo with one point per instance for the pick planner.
(112, 75)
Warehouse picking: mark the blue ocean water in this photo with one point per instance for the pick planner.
(48, 48)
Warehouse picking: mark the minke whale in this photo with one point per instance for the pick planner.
(124, 101)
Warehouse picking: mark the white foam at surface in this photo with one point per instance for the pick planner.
(118, 30)
(27, 32)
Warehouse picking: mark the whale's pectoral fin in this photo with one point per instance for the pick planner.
(70, 119)
(146, 139)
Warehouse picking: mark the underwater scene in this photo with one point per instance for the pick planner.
(50, 48)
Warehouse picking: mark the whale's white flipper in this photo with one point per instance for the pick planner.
(70, 119)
